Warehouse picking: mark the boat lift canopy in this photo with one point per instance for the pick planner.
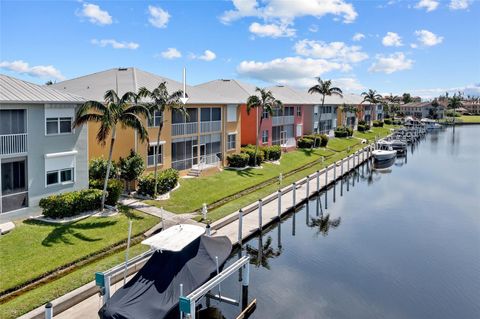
(175, 238)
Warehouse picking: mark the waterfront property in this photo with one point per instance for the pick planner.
(203, 138)
(421, 110)
(40, 153)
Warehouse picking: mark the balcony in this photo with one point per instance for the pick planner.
(213, 126)
(184, 128)
(13, 144)
(283, 120)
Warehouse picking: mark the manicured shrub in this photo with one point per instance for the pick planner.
(377, 124)
(450, 113)
(250, 150)
(71, 203)
(305, 142)
(343, 131)
(114, 189)
(238, 160)
(323, 140)
(166, 181)
(272, 153)
(132, 167)
(387, 121)
(97, 168)
(362, 128)
(362, 122)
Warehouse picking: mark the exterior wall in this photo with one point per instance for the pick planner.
(232, 127)
(249, 123)
(39, 144)
(307, 119)
(124, 142)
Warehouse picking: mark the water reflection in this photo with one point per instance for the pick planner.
(324, 223)
(259, 257)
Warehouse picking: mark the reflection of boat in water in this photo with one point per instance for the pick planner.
(384, 151)
(183, 255)
(384, 166)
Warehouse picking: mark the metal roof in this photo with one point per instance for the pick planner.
(94, 86)
(234, 90)
(13, 90)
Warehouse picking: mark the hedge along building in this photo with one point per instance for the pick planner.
(200, 140)
(40, 153)
(280, 129)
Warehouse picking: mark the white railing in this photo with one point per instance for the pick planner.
(13, 143)
(283, 120)
(184, 128)
(213, 126)
(326, 116)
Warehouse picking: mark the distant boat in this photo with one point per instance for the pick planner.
(384, 151)
(431, 124)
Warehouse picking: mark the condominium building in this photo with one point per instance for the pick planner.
(40, 153)
(422, 110)
(320, 119)
(202, 139)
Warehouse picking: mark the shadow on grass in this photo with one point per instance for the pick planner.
(246, 172)
(307, 151)
(129, 213)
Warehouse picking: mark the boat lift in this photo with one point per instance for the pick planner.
(187, 303)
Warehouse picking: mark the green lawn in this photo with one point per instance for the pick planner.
(54, 289)
(342, 144)
(374, 132)
(35, 248)
(196, 191)
(470, 118)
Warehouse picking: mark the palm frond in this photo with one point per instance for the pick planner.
(111, 97)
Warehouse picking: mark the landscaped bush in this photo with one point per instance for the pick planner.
(305, 142)
(97, 168)
(272, 153)
(166, 181)
(114, 189)
(362, 122)
(238, 160)
(250, 150)
(387, 121)
(343, 132)
(321, 140)
(377, 124)
(71, 203)
(362, 128)
(450, 113)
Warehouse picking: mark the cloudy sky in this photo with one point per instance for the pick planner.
(425, 47)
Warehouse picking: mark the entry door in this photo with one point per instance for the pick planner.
(283, 137)
(14, 194)
(203, 151)
(194, 155)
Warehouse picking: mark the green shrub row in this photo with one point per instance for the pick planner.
(377, 124)
(363, 128)
(114, 189)
(71, 203)
(166, 181)
(250, 151)
(387, 121)
(97, 168)
(343, 131)
(321, 140)
(272, 153)
(238, 160)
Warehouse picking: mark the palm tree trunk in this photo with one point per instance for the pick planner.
(156, 160)
(258, 134)
(104, 194)
(318, 122)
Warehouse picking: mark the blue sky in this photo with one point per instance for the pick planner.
(425, 47)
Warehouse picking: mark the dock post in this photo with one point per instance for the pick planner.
(260, 214)
(326, 176)
(245, 283)
(106, 296)
(208, 230)
(279, 206)
(240, 226)
(181, 295)
(294, 190)
(348, 164)
(49, 311)
(318, 181)
(334, 171)
(341, 170)
(308, 187)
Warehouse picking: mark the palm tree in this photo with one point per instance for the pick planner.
(454, 102)
(161, 101)
(324, 88)
(112, 112)
(259, 257)
(324, 223)
(372, 97)
(392, 101)
(265, 103)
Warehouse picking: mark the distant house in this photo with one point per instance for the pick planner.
(423, 109)
(40, 153)
(472, 107)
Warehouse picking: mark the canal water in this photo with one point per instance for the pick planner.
(402, 242)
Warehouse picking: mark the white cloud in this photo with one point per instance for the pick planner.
(392, 39)
(295, 71)
(392, 63)
(337, 51)
(38, 71)
(287, 11)
(115, 44)
(158, 17)
(358, 37)
(471, 89)
(313, 28)
(171, 53)
(271, 30)
(95, 14)
(428, 5)
(413, 45)
(206, 56)
(459, 4)
(348, 84)
(428, 38)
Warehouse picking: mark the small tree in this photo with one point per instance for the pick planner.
(372, 97)
(131, 168)
(406, 98)
(97, 169)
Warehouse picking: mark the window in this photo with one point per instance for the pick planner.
(60, 176)
(232, 141)
(288, 111)
(265, 136)
(265, 114)
(58, 125)
(299, 111)
(315, 110)
(156, 119)
(231, 113)
(12, 121)
(151, 155)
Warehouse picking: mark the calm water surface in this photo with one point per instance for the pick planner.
(400, 243)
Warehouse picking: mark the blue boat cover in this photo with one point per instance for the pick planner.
(154, 291)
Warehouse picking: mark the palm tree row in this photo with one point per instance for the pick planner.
(127, 112)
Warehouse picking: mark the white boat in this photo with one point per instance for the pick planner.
(398, 145)
(384, 151)
(431, 124)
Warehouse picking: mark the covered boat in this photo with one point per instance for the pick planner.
(183, 256)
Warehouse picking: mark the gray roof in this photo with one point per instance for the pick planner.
(94, 86)
(13, 90)
(234, 90)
